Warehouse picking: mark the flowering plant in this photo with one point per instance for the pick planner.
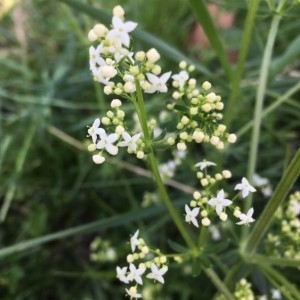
(131, 76)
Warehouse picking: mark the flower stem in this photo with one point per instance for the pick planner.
(155, 171)
(237, 74)
(264, 71)
(218, 283)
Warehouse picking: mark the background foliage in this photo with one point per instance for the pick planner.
(55, 201)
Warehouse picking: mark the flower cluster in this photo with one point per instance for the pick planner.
(102, 251)
(119, 137)
(263, 184)
(285, 240)
(150, 261)
(205, 202)
(243, 291)
(114, 64)
(199, 112)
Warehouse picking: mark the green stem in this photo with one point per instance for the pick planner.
(237, 74)
(289, 177)
(271, 108)
(259, 259)
(259, 106)
(203, 16)
(155, 171)
(218, 283)
(279, 281)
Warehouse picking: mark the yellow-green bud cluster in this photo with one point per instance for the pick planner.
(242, 291)
(102, 251)
(206, 180)
(200, 113)
(284, 240)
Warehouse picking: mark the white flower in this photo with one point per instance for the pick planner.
(204, 164)
(219, 202)
(135, 274)
(132, 293)
(95, 57)
(294, 207)
(259, 181)
(191, 215)
(275, 294)
(129, 141)
(94, 131)
(121, 274)
(157, 274)
(158, 84)
(245, 187)
(106, 142)
(181, 78)
(134, 241)
(246, 218)
(120, 30)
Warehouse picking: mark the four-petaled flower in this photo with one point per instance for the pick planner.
(219, 202)
(121, 274)
(246, 218)
(129, 141)
(132, 293)
(191, 215)
(158, 84)
(106, 142)
(157, 274)
(134, 241)
(245, 187)
(204, 164)
(181, 78)
(135, 274)
(120, 30)
(95, 130)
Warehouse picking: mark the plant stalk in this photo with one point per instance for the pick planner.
(155, 171)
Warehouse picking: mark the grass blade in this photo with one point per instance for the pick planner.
(204, 18)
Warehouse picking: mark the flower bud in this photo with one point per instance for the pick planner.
(206, 85)
(152, 55)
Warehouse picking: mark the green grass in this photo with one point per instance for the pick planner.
(54, 201)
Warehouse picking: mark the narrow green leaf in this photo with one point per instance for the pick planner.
(203, 16)
(288, 289)
(112, 222)
(196, 267)
(177, 247)
(292, 51)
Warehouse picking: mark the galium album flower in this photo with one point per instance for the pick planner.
(132, 293)
(121, 274)
(219, 202)
(158, 84)
(246, 218)
(120, 30)
(135, 274)
(204, 164)
(245, 187)
(157, 274)
(106, 142)
(129, 141)
(191, 215)
(94, 131)
(134, 241)
(181, 78)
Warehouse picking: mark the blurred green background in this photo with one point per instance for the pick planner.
(48, 181)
